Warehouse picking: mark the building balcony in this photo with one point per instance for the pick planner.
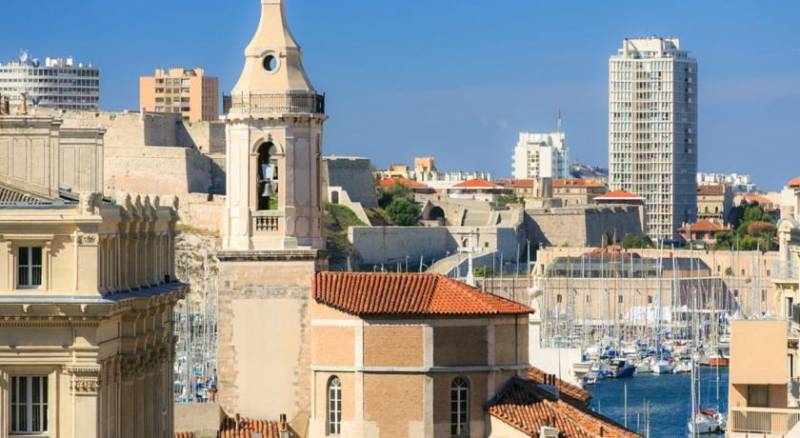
(763, 422)
(274, 103)
(267, 222)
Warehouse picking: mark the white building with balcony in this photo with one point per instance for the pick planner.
(652, 130)
(59, 83)
(541, 155)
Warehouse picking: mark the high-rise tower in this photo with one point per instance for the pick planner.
(272, 232)
(652, 130)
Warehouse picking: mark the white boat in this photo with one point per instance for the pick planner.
(682, 367)
(644, 366)
(662, 367)
(707, 421)
(703, 424)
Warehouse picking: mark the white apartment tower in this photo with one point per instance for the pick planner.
(652, 130)
(541, 155)
(57, 83)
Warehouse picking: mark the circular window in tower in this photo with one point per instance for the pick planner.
(271, 63)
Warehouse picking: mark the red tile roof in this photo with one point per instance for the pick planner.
(476, 184)
(565, 389)
(711, 190)
(519, 183)
(527, 406)
(618, 194)
(185, 435)
(794, 184)
(578, 182)
(405, 182)
(245, 427)
(370, 293)
(703, 226)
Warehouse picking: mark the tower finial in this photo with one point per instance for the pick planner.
(273, 59)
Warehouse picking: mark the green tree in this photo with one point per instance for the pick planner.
(632, 241)
(511, 198)
(403, 212)
(395, 191)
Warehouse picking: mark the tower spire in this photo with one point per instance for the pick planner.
(273, 59)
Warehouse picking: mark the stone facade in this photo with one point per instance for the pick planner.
(582, 226)
(86, 302)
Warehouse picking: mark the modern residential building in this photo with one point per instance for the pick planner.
(541, 155)
(478, 189)
(188, 92)
(57, 83)
(738, 183)
(425, 171)
(652, 118)
(714, 202)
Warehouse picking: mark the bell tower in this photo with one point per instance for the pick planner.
(272, 243)
(274, 140)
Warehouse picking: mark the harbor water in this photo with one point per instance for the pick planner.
(669, 398)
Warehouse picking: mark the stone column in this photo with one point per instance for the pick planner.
(5, 404)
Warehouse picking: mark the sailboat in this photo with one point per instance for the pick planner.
(660, 365)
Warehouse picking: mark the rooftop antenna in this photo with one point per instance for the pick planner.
(559, 123)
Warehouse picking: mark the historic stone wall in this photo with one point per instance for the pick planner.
(353, 175)
(376, 245)
(581, 226)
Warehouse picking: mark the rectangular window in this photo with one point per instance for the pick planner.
(28, 404)
(757, 396)
(29, 268)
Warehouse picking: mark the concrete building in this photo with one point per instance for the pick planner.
(272, 230)
(714, 202)
(738, 183)
(57, 83)
(652, 119)
(541, 155)
(188, 92)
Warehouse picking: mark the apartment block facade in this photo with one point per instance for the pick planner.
(57, 83)
(541, 155)
(188, 92)
(652, 133)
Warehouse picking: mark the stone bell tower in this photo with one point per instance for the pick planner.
(272, 229)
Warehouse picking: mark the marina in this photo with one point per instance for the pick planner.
(658, 406)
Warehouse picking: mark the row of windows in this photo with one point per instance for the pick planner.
(52, 72)
(459, 407)
(174, 81)
(172, 90)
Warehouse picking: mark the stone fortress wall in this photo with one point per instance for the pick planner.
(582, 226)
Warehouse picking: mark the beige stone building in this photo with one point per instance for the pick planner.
(87, 288)
(185, 91)
(714, 202)
(577, 191)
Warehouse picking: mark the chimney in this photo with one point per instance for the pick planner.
(283, 427)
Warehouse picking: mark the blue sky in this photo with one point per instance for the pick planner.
(458, 79)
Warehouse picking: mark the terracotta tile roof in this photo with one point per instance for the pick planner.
(245, 427)
(794, 184)
(476, 184)
(618, 194)
(760, 199)
(519, 183)
(703, 226)
(527, 406)
(405, 182)
(565, 389)
(185, 435)
(578, 182)
(370, 293)
(711, 190)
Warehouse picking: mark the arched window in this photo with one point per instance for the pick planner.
(334, 406)
(267, 172)
(459, 408)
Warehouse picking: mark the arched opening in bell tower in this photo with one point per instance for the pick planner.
(268, 178)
